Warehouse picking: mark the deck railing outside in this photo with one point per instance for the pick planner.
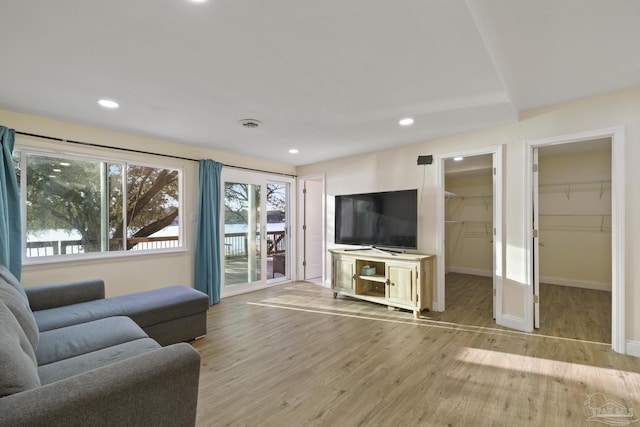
(66, 247)
(235, 245)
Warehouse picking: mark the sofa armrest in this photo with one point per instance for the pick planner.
(159, 388)
(61, 294)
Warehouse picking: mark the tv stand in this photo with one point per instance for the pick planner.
(403, 281)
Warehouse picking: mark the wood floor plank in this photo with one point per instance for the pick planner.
(292, 355)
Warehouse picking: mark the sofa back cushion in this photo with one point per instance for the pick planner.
(7, 276)
(17, 358)
(15, 302)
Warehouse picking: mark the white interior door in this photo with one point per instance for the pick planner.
(312, 229)
(536, 242)
(493, 231)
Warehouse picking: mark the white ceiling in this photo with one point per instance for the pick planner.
(331, 77)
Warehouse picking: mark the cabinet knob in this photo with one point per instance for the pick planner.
(388, 282)
(353, 277)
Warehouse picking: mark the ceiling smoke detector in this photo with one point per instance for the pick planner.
(250, 123)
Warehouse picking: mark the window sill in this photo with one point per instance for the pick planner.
(98, 258)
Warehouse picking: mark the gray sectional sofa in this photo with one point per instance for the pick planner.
(71, 357)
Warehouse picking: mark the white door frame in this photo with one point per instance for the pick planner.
(301, 215)
(496, 151)
(617, 135)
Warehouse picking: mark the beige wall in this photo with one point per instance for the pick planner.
(396, 168)
(126, 274)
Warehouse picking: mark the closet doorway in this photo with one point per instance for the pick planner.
(616, 136)
(469, 239)
(572, 253)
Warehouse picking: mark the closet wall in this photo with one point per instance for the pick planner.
(469, 222)
(575, 216)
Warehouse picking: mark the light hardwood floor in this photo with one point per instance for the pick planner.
(292, 355)
(564, 311)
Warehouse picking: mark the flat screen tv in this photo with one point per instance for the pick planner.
(386, 219)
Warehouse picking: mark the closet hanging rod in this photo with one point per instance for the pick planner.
(131, 150)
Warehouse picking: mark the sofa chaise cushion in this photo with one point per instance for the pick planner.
(75, 340)
(146, 308)
(17, 358)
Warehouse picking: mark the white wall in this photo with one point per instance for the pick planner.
(128, 273)
(396, 169)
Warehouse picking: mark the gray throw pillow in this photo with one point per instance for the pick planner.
(21, 310)
(17, 358)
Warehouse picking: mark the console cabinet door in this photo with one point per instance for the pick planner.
(344, 274)
(402, 285)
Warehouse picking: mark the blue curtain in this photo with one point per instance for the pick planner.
(208, 268)
(10, 225)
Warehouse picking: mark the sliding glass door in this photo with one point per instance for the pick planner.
(255, 223)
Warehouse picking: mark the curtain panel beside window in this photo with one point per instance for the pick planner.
(207, 252)
(10, 225)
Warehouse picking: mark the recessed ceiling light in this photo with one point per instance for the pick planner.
(294, 151)
(108, 103)
(198, 1)
(407, 121)
(457, 159)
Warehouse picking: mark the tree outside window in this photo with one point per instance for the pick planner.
(76, 205)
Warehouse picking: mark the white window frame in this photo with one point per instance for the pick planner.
(97, 157)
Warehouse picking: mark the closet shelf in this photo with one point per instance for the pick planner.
(485, 197)
(582, 229)
(571, 214)
(450, 195)
(577, 186)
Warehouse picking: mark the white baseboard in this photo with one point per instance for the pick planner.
(633, 348)
(467, 270)
(586, 284)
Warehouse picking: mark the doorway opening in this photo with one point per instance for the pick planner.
(469, 251)
(572, 257)
(615, 138)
